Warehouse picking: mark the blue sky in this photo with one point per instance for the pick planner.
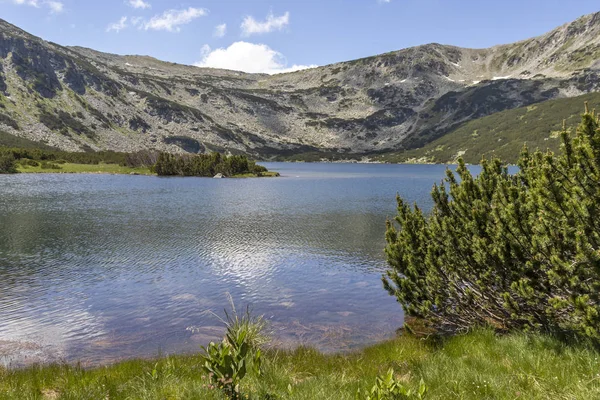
(278, 35)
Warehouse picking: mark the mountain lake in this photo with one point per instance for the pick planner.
(98, 268)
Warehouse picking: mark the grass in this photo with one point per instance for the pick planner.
(479, 365)
(69, 168)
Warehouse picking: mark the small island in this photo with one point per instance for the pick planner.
(18, 160)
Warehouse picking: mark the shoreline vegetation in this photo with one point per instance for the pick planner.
(477, 365)
(17, 160)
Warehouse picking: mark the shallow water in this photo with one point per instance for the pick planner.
(96, 268)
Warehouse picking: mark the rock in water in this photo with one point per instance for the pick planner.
(219, 176)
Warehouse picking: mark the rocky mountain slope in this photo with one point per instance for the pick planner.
(79, 99)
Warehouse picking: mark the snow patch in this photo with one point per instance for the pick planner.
(500, 77)
(456, 65)
(476, 82)
(450, 79)
(129, 65)
(403, 80)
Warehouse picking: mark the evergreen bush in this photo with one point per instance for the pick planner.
(512, 251)
(206, 165)
(7, 163)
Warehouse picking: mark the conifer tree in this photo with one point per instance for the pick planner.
(513, 251)
(204, 165)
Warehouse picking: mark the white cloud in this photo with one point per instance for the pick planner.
(56, 7)
(139, 4)
(247, 57)
(384, 1)
(171, 20)
(117, 26)
(220, 30)
(250, 26)
(34, 3)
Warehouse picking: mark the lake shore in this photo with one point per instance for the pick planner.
(111, 169)
(473, 366)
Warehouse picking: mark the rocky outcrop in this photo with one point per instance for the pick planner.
(76, 98)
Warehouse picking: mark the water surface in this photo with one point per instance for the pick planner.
(96, 268)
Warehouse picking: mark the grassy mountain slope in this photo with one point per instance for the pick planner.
(8, 140)
(503, 134)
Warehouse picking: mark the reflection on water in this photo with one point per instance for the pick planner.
(97, 268)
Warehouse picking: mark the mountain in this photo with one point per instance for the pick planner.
(77, 99)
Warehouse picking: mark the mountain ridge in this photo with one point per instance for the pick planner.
(76, 98)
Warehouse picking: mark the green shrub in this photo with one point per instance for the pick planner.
(387, 387)
(513, 251)
(206, 165)
(26, 162)
(7, 163)
(49, 165)
(255, 168)
(228, 362)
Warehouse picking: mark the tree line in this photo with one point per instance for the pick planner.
(96, 157)
(205, 165)
(163, 164)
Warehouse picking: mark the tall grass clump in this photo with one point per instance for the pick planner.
(238, 354)
(511, 251)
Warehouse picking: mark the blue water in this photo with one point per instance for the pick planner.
(96, 268)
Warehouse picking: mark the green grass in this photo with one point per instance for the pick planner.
(70, 168)
(479, 365)
(8, 140)
(101, 168)
(503, 134)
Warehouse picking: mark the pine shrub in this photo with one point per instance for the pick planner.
(7, 163)
(513, 251)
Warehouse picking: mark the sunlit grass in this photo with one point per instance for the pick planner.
(479, 365)
(101, 168)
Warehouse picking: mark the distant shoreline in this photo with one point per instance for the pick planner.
(114, 169)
